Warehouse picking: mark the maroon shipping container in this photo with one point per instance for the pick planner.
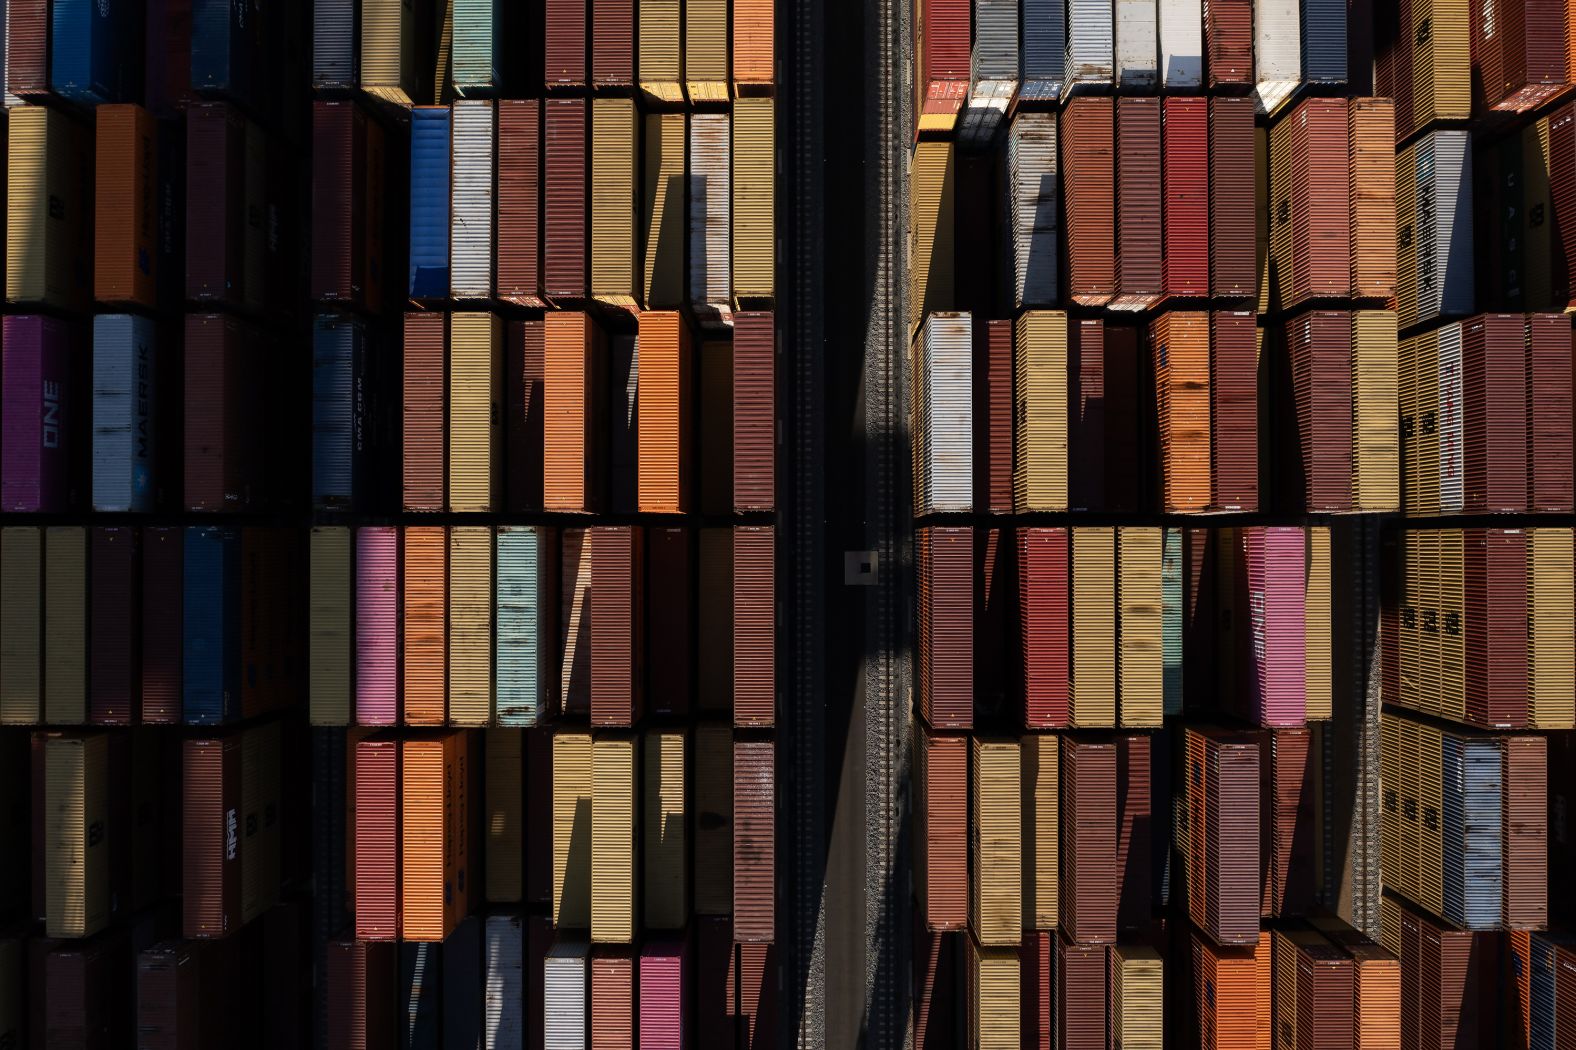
(754, 626)
(1043, 626)
(1549, 392)
(714, 1025)
(755, 411)
(169, 979)
(1315, 202)
(1233, 199)
(1080, 995)
(1495, 624)
(1518, 54)
(519, 244)
(114, 679)
(210, 835)
(524, 352)
(1086, 414)
(1187, 197)
(1494, 417)
(612, 998)
(1222, 778)
(163, 591)
(935, 988)
(992, 416)
(1449, 984)
(1326, 997)
(565, 43)
(1122, 427)
(87, 1003)
(1036, 990)
(1089, 200)
(1320, 347)
(995, 592)
(754, 863)
(942, 810)
(566, 173)
(362, 1008)
(618, 637)
(27, 49)
(670, 598)
(1140, 274)
(347, 204)
(1228, 44)
(946, 626)
(1090, 880)
(1199, 645)
(216, 205)
(376, 860)
(1234, 411)
(423, 431)
(1286, 848)
(224, 413)
(168, 56)
(612, 43)
(1526, 818)
(1134, 830)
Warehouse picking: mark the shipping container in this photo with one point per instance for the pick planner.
(1089, 885)
(940, 829)
(666, 412)
(710, 221)
(430, 203)
(566, 199)
(659, 63)
(613, 1003)
(49, 209)
(942, 415)
(341, 362)
(423, 625)
(574, 422)
(114, 688)
(1040, 414)
(946, 627)
(1139, 262)
(1310, 244)
(993, 70)
(665, 844)
(1551, 629)
(992, 415)
(77, 834)
(567, 29)
(1232, 193)
(43, 415)
(1181, 41)
(211, 676)
(125, 205)
(1277, 52)
(1273, 594)
(754, 831)
(504, 1009)
(1434, 228)
(1034, 198)
(1135, 979)
(614, 786)
(930, 227)
(478, 29)
(333, 648)
(754, 204)
(941, 62)
(754, 50)
(1370, 136)
(1137, 45)
(65, 625)
(662, 214)
(614, 164)
(565, 1003)
(1232, 993)
(475, 376)
(434, 814)
(348, 161)
(572, 829)
(1088, 160)
(1221, 802)
(377, 625)
(470, 641)
(754, 411)
(518, 264)
(473, 199)
(26, 51)
(1186, 257)
(220, 141)
(1041, 847)
(527, 599)
(213, 777)
(1092, 599)
(995, 826)
(1288, 759)
(1228, 43)
(162, 616)
(225, 445)
(125, 404)
(1518, 56)
(993, 1007)
(1081, 1002)
(1548, 408)
(706, 50)
(1181, 345)
(420, 995)
(713, 848)
(426, 368)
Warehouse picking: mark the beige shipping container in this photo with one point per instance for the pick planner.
(713, 819)
(705, 49)
(754, 183)
(571, 830)
(659, 51)
(1041, 823)
(1093, 600)
(666, 844)
(1376, 437)
(49, 209)
(1551, 645)
(995, 832)
(65, 625)
(331, 648)
(21, 624)
(388, 51)
(1135, 978)
(993, 997)
(1039, 469)
(663, 207)
(613, 165)
(504, 799)
(475, 412)
(76, 834)
(1138, 657)
(470, 625)
(613, 840)
(930, 233)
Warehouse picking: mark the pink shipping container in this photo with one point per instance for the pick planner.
(377, 626)
(663, 994)
(1275, 601)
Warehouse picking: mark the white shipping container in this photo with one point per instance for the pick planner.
(944, 406)
(710, 266)
(1137, 45)
(1451, 468)
(1277, 52)
(1181, 44)
(1090, 46)
(504, 997)
(471, 207)
(1444, 224)
(564, 995)
(1034, 193)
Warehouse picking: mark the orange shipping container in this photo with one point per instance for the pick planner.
(425, 668)
(124, 257)
(574, 412)
(1231, 995)
(665, 418)
(435, 875)
(1181, 349)
(753, 47)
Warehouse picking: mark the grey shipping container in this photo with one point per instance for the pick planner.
(1034, 194)
(471, 210)
(125, 398)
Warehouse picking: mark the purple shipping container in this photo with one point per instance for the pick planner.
(1276, 668)
(663, 993)
(377, 626)
(39, 407)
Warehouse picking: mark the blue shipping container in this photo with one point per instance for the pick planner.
(1472, 840)
(1043, 50)
(1324, 41)
(338, 411)
(226, 47)
(334, 44)
(87, 50)
(429, 202)
(124, 399)
(211, 620)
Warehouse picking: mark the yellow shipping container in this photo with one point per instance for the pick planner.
(659, 51)
(1390, 924)
(1039, 469)
(663, 280)
(571, 830)
(995, 833)
(65, 625)
(470, 625)
(705, 49)
(1135, 981)
(21, 623)
(1431, 818)
(1318, 646)
(713, 863)
(613, 166)
(388, 52)
(1411, 425)
(331, 649)
(1093, 601)
(1551, 645)
(1451, 644)
(1141, 700)
(1441, 61)
(504, 797)
(76, 834)
(475, 411)
(613, 840)
(49, 209)
(930, 234)
(1041, 823)
(1376, 451)
(754, 199)
(993, 983)
(666, 845)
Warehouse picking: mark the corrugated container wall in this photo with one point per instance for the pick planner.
(475, 130)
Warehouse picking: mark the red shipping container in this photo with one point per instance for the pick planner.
(754, 626)
(360, 979)
(1090, 881)
(224, 421)
(1140, 276)
(565, 43)
(27, 49)
(1228, 43)
(941, 859)
(754, 853)
(1187, 196)
(1494, 620)
(992, 416)
(1518, 54)
(946, 626)
(935, 988)
(1043, 626)
(347, 205)
(1449, 983)
(1526, 820)
(1494, 416)
(618, 638)
(1233, 196)
(376, 776)
(755, 411)
(612, 43)
(1086, 427)
(1080, 995)
(612, 999)
(1088, 176)
(942, 59)
(114, 679)
(1234, 412)
(519, 243)
(565, 202)
(163, 598)
(1286, 849)
(168, 982)
(1549, 392)
(211, 836)
(1313, 198)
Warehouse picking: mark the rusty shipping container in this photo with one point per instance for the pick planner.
(1088, 164)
